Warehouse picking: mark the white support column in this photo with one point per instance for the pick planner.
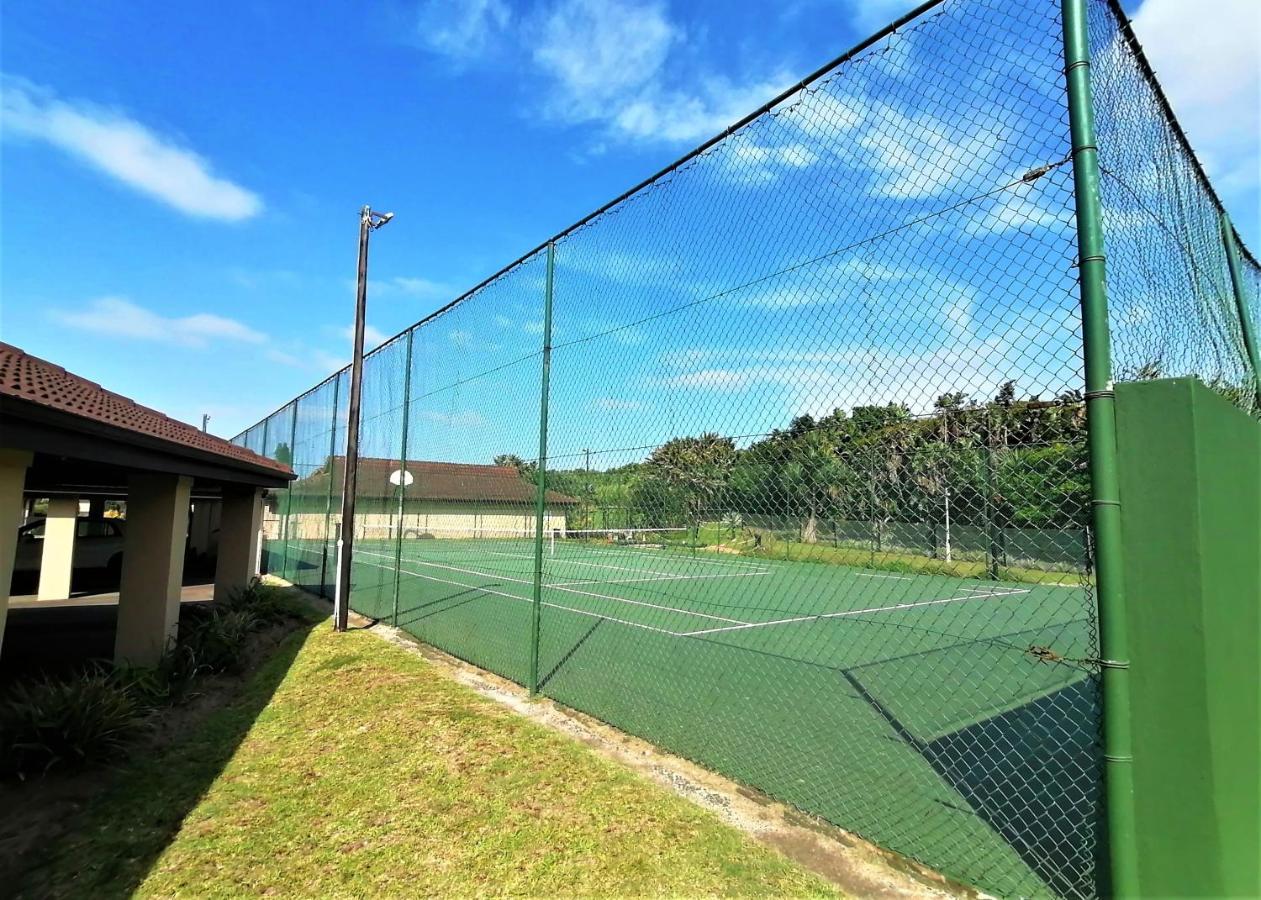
(13, 465)
(56, 563)
(240, 520)
(153, 566)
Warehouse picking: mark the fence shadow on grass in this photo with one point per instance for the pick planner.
(108, 847)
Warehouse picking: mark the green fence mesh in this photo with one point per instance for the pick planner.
(816, 504)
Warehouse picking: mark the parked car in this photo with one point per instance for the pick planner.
(98, 544)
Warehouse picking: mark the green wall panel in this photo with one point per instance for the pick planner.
(1191, 522)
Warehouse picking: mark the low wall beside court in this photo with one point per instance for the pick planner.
(1191, 519)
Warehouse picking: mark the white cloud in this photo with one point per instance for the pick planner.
(424, 288)
(657, 113)
(124, 149)
(461, 30)
(372, 337)
(614, 63)
(1205, 56)
(466, 418)
(872, 15)
(119, 317)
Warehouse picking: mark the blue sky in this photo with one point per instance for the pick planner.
(181, 181)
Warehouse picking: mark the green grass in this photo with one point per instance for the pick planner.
(348, 767)
(714, 537)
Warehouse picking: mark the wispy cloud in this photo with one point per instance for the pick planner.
(462, 30)
(1219, 104)
(465, 418)
(611, 61)
(617, 64)
(372, 336)
(872, 15)
(421, 288)
(126, 150)
(313, 360)
(119, 317)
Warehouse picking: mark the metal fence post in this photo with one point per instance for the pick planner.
(990, 510)
(1102, 447)
(1241, 300)
(262, 531)
(402, 477)
(540, 508)
(328, 507)
(284, 536)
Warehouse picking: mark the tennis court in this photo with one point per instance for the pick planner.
(801, 678)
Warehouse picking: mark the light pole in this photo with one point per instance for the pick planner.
(369, 221)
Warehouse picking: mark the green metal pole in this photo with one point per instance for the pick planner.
(1241, 299)
(540, 507)
(402, 477)
(328, 509)
(262, 553)
(284, 538)
(991, 528)
(1101, 437)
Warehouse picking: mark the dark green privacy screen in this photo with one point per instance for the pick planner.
(804, 495)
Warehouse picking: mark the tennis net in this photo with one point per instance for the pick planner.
(555, 540)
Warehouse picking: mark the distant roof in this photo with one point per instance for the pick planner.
(463, 482)
(42, 383)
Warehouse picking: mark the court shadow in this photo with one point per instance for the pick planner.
(1021, 771)
(569, 654)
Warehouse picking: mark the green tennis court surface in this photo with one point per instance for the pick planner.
(864, 696)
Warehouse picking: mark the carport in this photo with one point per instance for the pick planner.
(69, 440)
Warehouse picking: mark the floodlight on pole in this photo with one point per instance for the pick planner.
(369, 221)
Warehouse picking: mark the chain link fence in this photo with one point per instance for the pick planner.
(780, 460)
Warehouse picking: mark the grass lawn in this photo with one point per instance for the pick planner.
(348, 767)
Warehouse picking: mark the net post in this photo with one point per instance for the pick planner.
(402, 478)
(540, 507)
(1233, 263)
(1102, 448)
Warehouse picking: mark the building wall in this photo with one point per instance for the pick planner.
(420, 518)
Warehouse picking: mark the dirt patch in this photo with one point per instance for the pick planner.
(856, 866)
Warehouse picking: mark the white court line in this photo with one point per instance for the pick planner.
(500, 577)
(871, 575)
(565, 584)
(848, 612)
(581, 612)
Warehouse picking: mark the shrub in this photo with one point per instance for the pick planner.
(46, 722)
(90, 716)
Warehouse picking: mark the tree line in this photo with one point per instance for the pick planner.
(1002, 462)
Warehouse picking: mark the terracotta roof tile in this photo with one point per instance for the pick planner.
(36, 380)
